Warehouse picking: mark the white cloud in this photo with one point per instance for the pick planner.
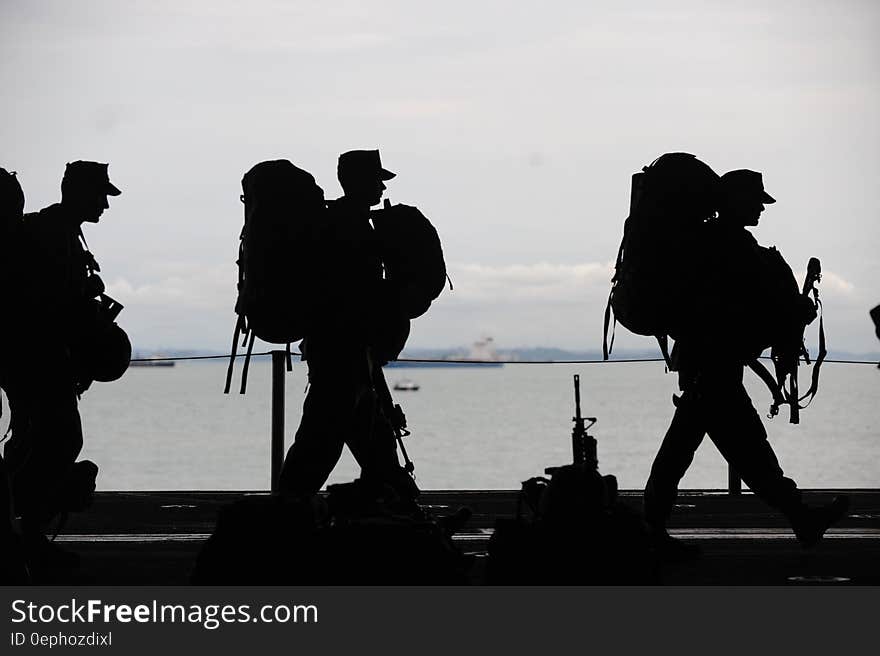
(835, 285)
(190, 288)
(542, 282)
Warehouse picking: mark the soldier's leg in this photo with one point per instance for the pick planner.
(676, 454)
(377, 422)
(328, 416)
(377, 413)
(48, 443)
(737, 431)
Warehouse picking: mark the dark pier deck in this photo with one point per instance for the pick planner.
(152, 538)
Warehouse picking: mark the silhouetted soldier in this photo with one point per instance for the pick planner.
(710, 365)
(346, 346)
(12, 564)
(58, 281)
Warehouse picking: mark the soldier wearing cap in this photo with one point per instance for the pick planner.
(743, 198)
(753, 287)
(344, 346)
(60, 279)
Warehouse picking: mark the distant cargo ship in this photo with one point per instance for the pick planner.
(481, 354)
(139, 361)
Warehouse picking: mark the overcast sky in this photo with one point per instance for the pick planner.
(515, 127)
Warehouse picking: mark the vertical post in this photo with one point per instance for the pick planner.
(734, 483)
(277, 449)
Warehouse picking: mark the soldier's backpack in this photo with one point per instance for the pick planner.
(283, 206)
(11, 203)
(11, 210)
(657, 274)
(412, 256)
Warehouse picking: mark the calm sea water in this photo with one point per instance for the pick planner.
(173, 428)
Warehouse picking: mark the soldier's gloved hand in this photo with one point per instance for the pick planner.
(94, 286)
(807, 310)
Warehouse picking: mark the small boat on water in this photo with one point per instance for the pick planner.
(406, 385)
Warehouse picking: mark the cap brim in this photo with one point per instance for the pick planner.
(767, 198)
(386, 175)
(112, 190)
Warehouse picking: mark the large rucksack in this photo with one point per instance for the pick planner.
(657, 275)
(283, 206)
(11, 211)
(11, 202)
(412, 256)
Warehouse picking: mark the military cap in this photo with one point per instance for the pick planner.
(93, 174)
(362, 164)
(744, 182)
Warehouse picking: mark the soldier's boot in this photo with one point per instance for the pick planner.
(668, 549)
(810, 524)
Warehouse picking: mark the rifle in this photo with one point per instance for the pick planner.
(393, 413)
(787, 359)
(583, 445)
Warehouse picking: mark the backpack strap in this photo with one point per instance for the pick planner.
(663, 342)
(249, 336)
(810, 394)
(233, 352)
(91, 263)
(775, 388)
(785, 367)
(606, 347)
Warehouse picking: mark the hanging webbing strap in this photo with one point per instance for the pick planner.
(771, 383)
(249, 336)
(820, 358)
(792, 394)
(233, 352)
(606, 347)
(813, 276)
(663, 341)
(787, 370)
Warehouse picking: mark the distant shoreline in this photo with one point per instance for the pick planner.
(530, 354)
